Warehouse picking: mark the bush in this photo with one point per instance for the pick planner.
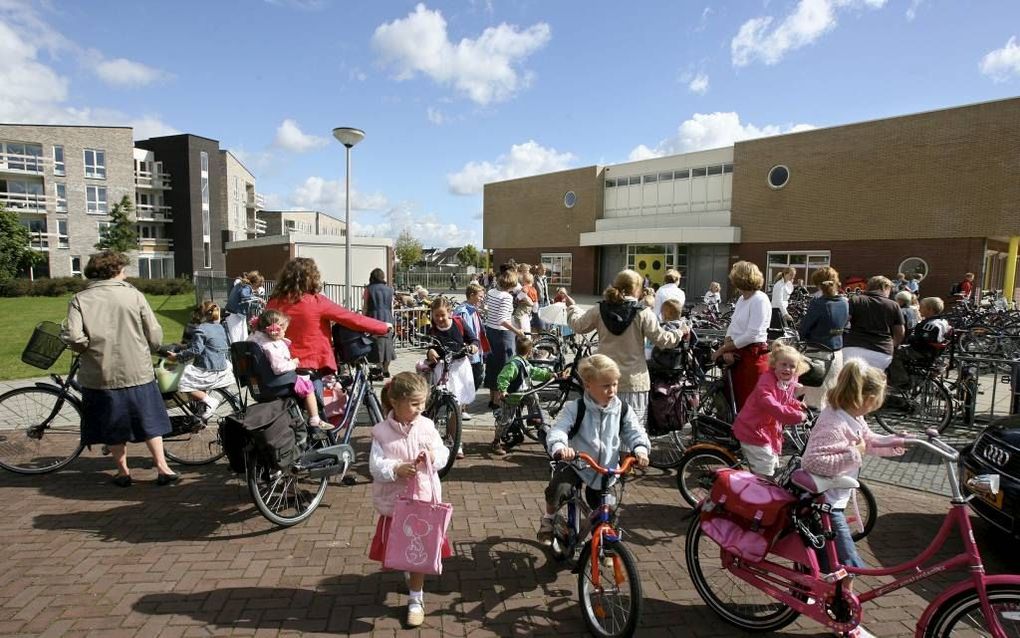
(59, 286)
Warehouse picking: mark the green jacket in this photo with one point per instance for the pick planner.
(510, 378)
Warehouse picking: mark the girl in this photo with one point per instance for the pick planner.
(524, 302)
(840, 439)
(399, 445)
(499, 329)
(208, 353)
(452, 334)
(270, 334)
(782, 288)
(771, 405)
(713, 297)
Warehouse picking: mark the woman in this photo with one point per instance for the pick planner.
(824, 323)
(745, 347)
(782, 288)
(239, 305)
(378, 304)
(499, 329)
(623, 323)
(311, 316)
(112, 327)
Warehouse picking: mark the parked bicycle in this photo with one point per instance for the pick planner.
(589, 540)
(442, 406)
(515, 422)
(768, 594)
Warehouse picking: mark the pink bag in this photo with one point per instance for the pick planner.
(334, 401)
(745, 513)
(418, 530)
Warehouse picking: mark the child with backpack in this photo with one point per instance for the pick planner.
(399, 445)
(469, 313)
(771, 405)
(598, 423)
(517, 376)
(208, 353)
(452, 335)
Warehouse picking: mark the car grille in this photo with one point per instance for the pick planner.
(999, 455)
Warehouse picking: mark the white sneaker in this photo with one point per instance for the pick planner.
(464, 416)
(861, 632)
(212, 402)
(415, 613)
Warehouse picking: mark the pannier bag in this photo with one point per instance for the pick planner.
(272, 428)
(669, 407)
(234, 438)
(819, 362)
(745, 513)
(350, 345)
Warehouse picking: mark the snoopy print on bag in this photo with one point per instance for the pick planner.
(416, 529)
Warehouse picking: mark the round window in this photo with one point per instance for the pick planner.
(914, 266)
(642, 264)
(779, 175)
(569, 199)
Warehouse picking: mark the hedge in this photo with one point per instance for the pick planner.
(59, 286)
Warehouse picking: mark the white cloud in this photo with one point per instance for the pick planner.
(1002, 64)
(526, 159)
(290, 137)
(703, 22)
(326, 195)
(435, 116)
(484, 69)
(912, 9)
(426, 227)
(124, 73)
(711, 130)
(811, 19)
(698, 84)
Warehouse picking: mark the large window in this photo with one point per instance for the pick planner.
(156, 267)
(95, 200)
(40, 237)
(21, 157)
(58, 161)
(61, 191)
(206, 222)
(95, 163)
(805, 262)
(76, 266)
(560, 267)
(912, 266)
(63, 238)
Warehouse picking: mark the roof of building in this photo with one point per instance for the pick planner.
(60, 125)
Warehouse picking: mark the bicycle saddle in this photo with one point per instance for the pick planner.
(818, 484)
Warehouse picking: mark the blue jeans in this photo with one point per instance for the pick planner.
(845, 548)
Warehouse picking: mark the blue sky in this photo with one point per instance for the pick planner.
(454, 94)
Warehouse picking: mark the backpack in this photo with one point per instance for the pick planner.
(579, 419)
(669, 407)
(272, 427)
(745, 513)
(955, 289)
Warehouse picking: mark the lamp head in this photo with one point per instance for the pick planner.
(348, 136)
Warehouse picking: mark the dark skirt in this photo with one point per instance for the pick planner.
(134, 414)
(382, 350)
(502, 344)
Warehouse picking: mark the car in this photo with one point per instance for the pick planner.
(996, 451)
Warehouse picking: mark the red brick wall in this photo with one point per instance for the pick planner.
(584, 263)
(268, 260)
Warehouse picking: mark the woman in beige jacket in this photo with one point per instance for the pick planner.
(623, 323)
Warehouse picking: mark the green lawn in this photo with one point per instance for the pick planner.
(22, 313)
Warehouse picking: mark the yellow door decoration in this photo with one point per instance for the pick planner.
(653, 266)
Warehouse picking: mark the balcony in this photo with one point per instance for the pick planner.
(256, 201)
(24, 202)
(153, 213)
(22, 164)
(155, 244)
(153, 180)
(256, 226)
(39, 241)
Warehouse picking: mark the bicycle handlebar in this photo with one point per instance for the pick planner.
(934, 444)
(625, 467)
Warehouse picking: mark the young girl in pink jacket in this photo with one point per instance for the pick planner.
(772, 405)
(840, 439)
(399, 445)
(271, 335)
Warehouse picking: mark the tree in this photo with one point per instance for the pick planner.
(121, 235)
(15, 246)
(408, 249)
(469, 256)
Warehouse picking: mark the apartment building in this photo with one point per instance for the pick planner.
(240, 203)
(307, 222)
(155, 218)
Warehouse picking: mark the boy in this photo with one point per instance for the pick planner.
(605, 425)
(469, 315)
(517, 376)
(925, 343)
(671, 320)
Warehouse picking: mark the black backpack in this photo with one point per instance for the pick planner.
(273, 428)
(574, 429)
(956, 289)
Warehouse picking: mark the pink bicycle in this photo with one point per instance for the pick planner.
(769, 594)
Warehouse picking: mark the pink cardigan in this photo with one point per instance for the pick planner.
(767, 409)
(831, 448)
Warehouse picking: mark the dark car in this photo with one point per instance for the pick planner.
(996, 451)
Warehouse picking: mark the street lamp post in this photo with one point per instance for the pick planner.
(348, 137)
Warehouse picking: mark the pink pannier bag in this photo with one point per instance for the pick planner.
(745, 513)
(334, 401)
(418, 530)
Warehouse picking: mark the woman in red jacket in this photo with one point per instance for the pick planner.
(311, 314)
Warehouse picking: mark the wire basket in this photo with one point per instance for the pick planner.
(45, 346)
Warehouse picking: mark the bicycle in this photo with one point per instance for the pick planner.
(442, 406)
(512, 426)
(767, 595)
(589, 540)
(923, 402)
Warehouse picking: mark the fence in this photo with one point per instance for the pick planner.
(217, 289)
(987, 387)
(435, 282)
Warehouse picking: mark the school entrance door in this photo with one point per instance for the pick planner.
(651, 265)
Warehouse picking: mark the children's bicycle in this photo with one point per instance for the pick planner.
(769, 594)
(589, 540)
(444, 410)
(515, 422)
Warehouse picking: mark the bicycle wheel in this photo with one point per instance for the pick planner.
(40, 430)
(445, 413)
(613, 608)
(696, 471)
(667, 450)
(962, 616)
(198, 442)
(738, 602)
(925, 403)
(861, 512)
(284, 499)
(715, 402)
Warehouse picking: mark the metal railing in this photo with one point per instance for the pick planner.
(217, 289)
(23, 202)
(23, 163)
(435, 282)
(150, 179)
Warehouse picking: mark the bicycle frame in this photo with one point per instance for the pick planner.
(361, 390)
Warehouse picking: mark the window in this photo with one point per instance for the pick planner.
(635, 180)
(207, 254)
(805, 262)
(61, 198)
(76, 265)
(651, 179)
(95, 200)
(63, 239)
(22, 157)
(914, 266)
(715, 170)
(684, 174)
(569, 199)
(58, 161)
(40, 237)
(102, 228)
(698, 172)
(779, 176)
(727, 168)
(204, 157)
(95, 164)
(655, 259)
(610, 183)
(560, 268)
(665, 176)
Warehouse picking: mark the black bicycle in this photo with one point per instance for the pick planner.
(442, 406)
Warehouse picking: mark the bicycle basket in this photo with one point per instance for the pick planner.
(44, 347)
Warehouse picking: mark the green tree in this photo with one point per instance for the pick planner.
(469, 256)
(408, 249)
(121, 235)
(15, 246)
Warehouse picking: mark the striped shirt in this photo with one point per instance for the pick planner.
(499, 307)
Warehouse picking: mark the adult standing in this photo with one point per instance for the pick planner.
(782, 288)
(824, 323)
(312, 314)
(876, 325)
(241, 304)
(541, 285)
(378, 304)
(670, 289)
(499, 329)
(746, 344)
(112, 327)
(623, 323)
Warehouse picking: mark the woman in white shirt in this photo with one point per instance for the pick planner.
(746, 345)
(781, 291)
(499, 329)
(670, 289)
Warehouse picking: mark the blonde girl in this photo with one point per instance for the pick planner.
(840, 439)
(208, 356)
(271, 335)
(771, 405)
(714, 295)
(400, 443)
